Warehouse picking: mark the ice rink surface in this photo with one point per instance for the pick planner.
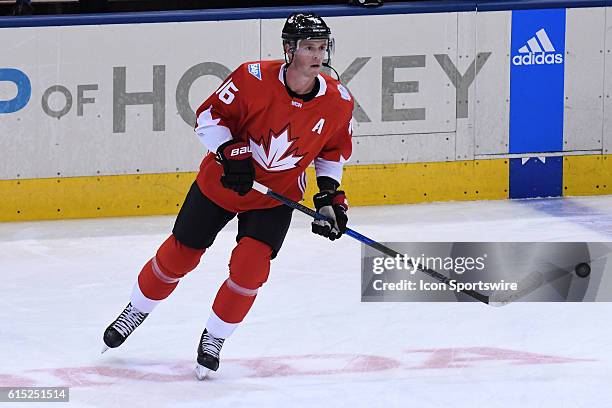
(308, 341)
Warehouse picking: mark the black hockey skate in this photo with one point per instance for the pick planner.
(208, 354)
(123, 326)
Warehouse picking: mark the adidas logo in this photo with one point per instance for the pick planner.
(539, 50)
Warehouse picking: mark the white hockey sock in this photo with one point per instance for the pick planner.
(218, 328)
(141, 302)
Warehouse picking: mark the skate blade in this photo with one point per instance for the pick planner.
(201, 372)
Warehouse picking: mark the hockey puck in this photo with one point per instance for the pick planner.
(583, 270)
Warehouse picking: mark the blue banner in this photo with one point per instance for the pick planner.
(536, 80)
(536, 177)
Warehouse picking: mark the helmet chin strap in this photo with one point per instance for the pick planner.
(327, 65)
(292, 50)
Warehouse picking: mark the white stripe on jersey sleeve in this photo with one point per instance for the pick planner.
(329, 168)
(210, 133)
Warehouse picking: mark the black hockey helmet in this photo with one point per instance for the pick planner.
(302, 26)
(306, 26)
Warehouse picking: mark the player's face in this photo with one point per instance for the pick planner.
(310, 55)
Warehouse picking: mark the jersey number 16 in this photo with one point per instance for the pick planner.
(226, 92)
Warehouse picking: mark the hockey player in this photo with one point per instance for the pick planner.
(267, 122)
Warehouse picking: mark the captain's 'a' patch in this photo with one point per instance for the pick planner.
(255, 70)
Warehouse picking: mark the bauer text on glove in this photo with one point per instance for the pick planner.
(238, 170)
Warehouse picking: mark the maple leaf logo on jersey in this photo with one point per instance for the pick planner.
(278, 155)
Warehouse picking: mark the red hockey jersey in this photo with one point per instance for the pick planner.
(285, 134)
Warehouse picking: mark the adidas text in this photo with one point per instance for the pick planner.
(537, 59)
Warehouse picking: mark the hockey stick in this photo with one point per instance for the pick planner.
(362, 238)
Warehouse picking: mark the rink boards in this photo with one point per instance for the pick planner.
(96, 120)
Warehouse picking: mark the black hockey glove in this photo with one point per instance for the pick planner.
(334, 206)
(238, 171)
